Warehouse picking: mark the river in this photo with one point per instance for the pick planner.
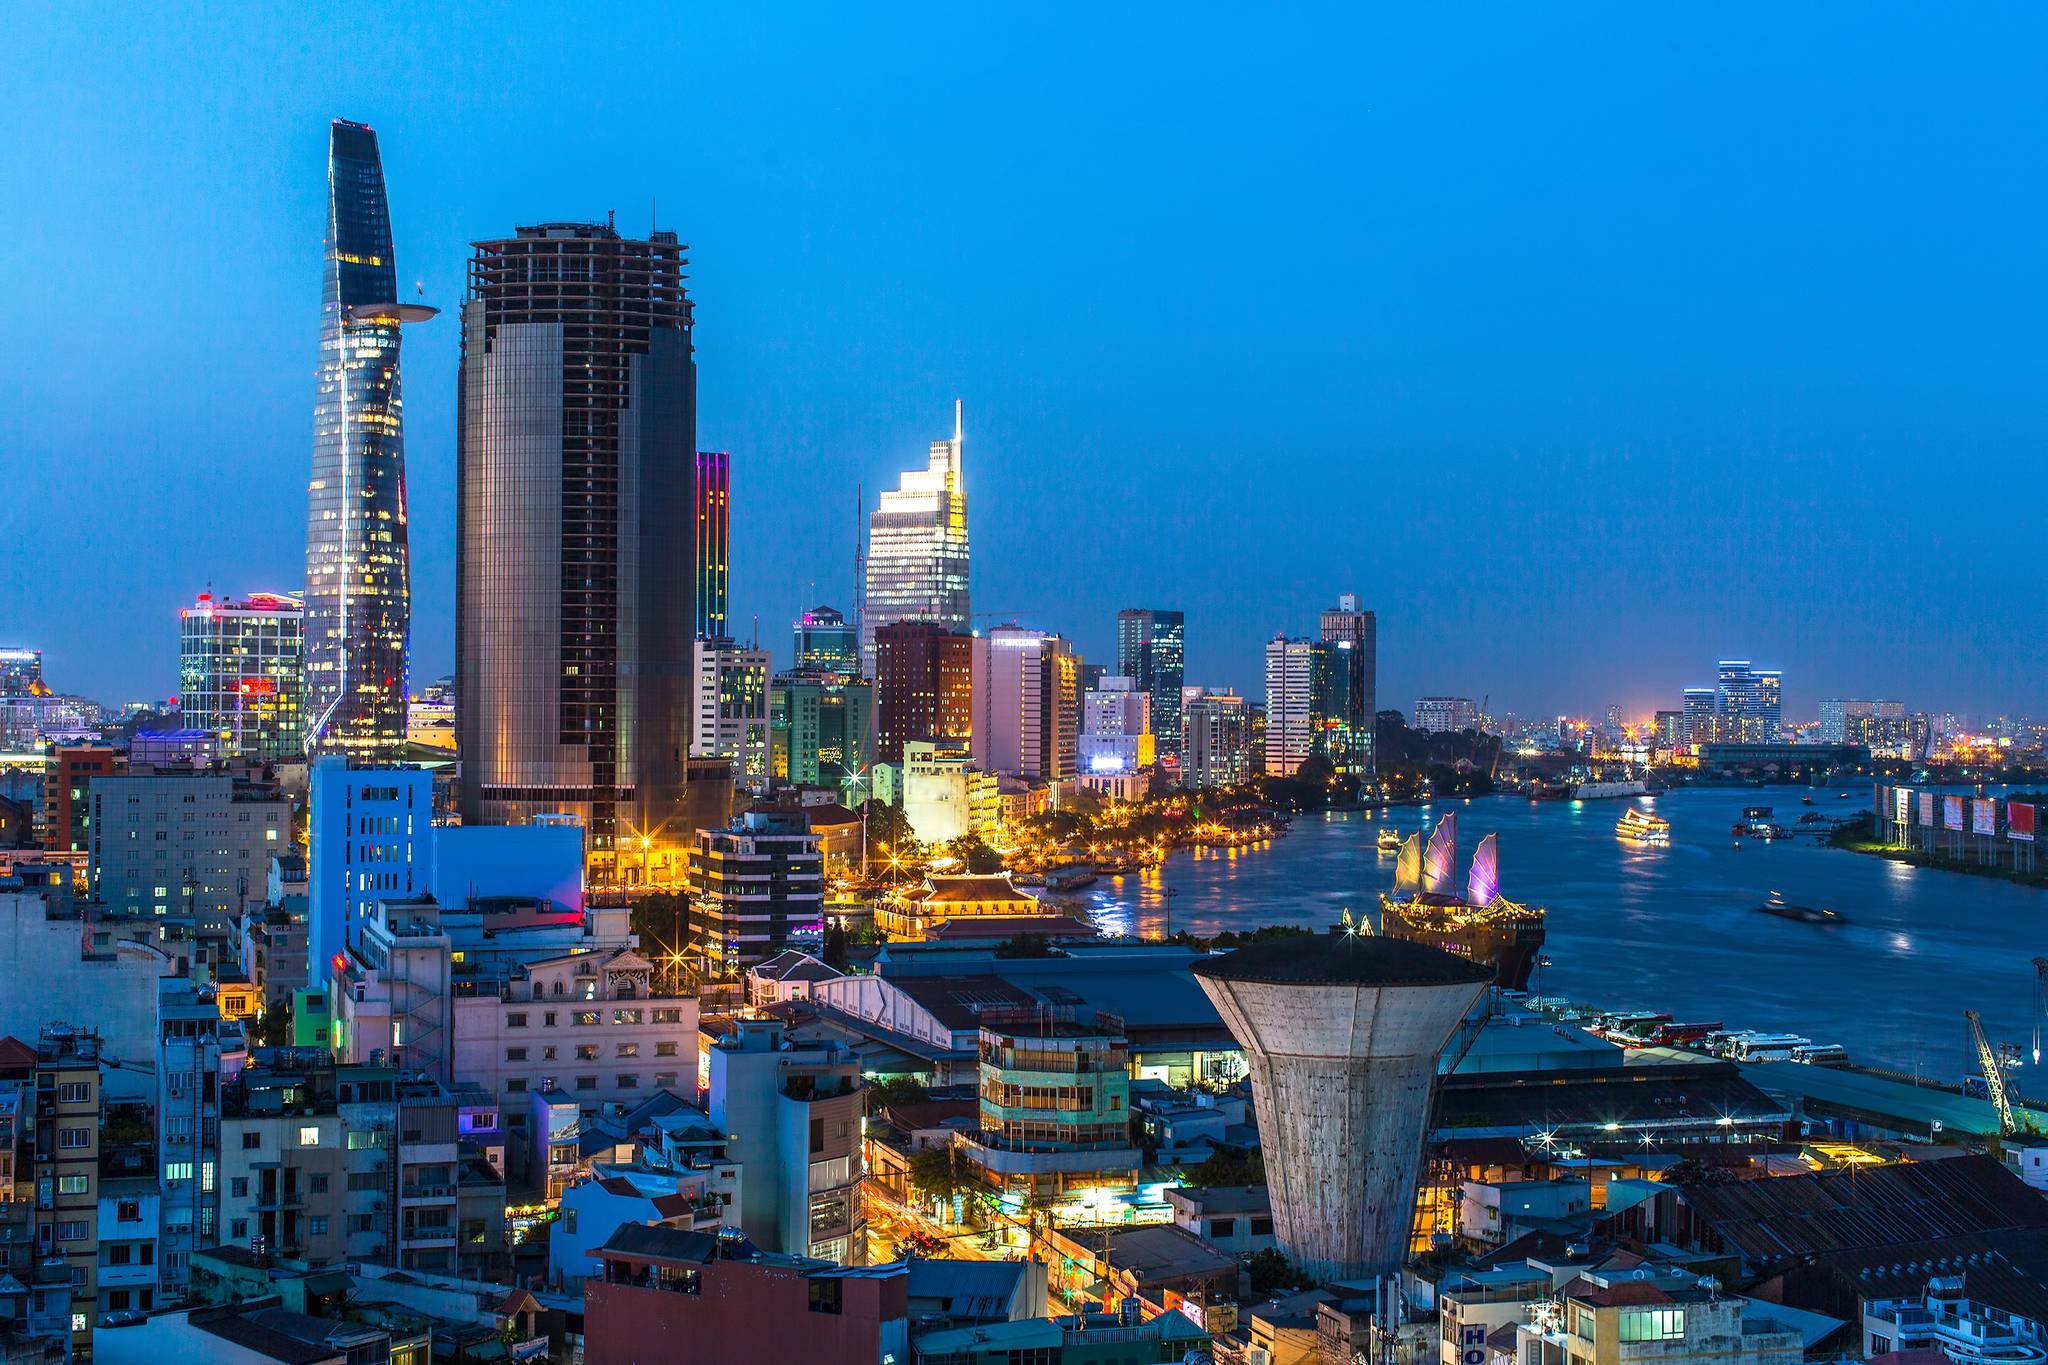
(1674, 927)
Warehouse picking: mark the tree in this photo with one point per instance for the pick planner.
(973, 852)
(835, 946)
(887, 825)
(1024, 945)
(1227, 1167)
(1273, 1273)
(888, 1090)
(274, 1028)
(932, 1174)
(662, 920)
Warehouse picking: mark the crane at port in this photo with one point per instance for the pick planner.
(1994, 1072)
(2040, 1003)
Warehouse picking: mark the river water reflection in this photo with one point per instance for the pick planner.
(1674, 927)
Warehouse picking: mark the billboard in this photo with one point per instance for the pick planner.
(2019, 820)
(1951, 812)
(1927, 809)
(1902, 800)
(1983, 816)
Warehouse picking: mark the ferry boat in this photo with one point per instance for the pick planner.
(1598, 791)
(1390, 840)
(1072, 877)
(1482, 924)
(1638, 826)
(1776, 904)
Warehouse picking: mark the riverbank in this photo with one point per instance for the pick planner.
(1855, 838)
(1913, 858)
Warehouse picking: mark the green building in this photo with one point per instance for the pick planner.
(820, 729)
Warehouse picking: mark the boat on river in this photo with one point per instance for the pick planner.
(1482, 924)
(1775, 904)
(1638, 826)
(1390, 840)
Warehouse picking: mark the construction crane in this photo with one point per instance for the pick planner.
(1994, 1073)
(2040, 1003)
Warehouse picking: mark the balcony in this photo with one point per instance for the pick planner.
(411, 1193)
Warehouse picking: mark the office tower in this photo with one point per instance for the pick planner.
(924, 686)
(184, 844)
(714, 543)
(1216, 741)
(1879, 725)
(68, 773)
(1697, 716)
(827, 643)
(575, 584)
(369, 832)
(754, 884)
(1446, 713)
(731, 704)
(1670, 729)
(1027, 704)
(1748, 703)
(358, 575)
(1354, 685)
(1116, 728)
(1151, 648)
(241, 673)
(820, 732)
(1298, 686)
(917, 546)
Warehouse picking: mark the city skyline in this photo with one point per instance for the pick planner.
(1478, 442)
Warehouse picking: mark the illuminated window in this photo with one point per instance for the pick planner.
(309, 1135)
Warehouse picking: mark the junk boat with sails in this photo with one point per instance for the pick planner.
(1482, 924)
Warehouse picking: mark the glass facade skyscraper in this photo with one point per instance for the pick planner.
(1151, 649)
(825, 643)
(1353, 707)
(714, 543)
(1749, 702)
(358, 610)
(917, 547)
(241, 668)
(575, 582)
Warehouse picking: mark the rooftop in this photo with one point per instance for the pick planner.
(1343, 959)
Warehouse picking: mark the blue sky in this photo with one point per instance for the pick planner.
(1587, 344)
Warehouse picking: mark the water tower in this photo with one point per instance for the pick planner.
(1342, 1034)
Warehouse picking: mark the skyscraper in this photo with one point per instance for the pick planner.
(1216, 741)
(1027, 704)
(917, 546)
(358, 575)
(1353, 683)
(1151, 650)
(731, 704)
(574, 602)
(1297, 678)
(241, 673)
(714, 543)
(825, 643)
(1748, 702)
(924, 686)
